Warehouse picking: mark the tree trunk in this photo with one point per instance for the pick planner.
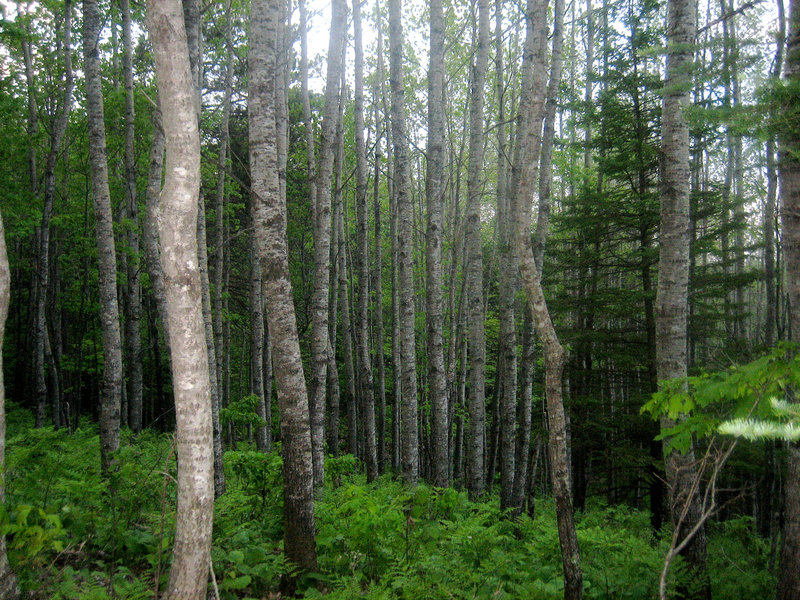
(219, 205)
(434, 184)
(377, 286)
(178, 236)
(474, 260)
(270, 229)
(789, 172)
(507, 290)
(257, 387)
(405, 266)
(132, 290)
(322, 237)
(111, 394)
(59, 129)
(529, 130)
(9, 588)
(771, 200)
(362, 257)
(673, 275)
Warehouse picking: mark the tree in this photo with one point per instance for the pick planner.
(8, 582)
(269, 221)
(111, 395)
(526, 167)
(370, 454)
(403, 204)
(789, 173)
(322, 236)
(434, 191)
(473, 249)
(673, 274)
(190, 371)
(60, 128)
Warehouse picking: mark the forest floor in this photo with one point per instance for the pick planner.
(70, 536)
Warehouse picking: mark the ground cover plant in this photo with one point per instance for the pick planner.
(73, 535)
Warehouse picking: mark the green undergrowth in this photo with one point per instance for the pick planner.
(73, 535)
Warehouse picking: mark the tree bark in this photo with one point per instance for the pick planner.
(270, 229)
(474, 260)
(111, 393)
(257, 387)
(435, 185)
(405, 249)
(673, 275)
(178, 236)
(219, 205)
(377, 286)
(526, 171)
(132, 290)
(507, 290)
(9, 588)
(789, 173)
(362, 257)
(322, 237)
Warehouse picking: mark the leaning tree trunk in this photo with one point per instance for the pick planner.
(434, 184)
(9, 588)
(322, 238)
(111, 394)
(362, 257)
(673, 274)
(408, 360)
(789, 171)
(178, 236)
(269, 217)
(474, 261)
(526, 171)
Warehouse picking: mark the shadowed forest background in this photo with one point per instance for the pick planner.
(453, 300)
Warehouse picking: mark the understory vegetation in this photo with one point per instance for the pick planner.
(72, 534)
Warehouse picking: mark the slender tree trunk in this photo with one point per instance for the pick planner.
(9, 588)
(62, 119)
(673, 275)
(526, 171)
(771, 200)
(132, 290)
(322, 237)
(377, 286)
(405, 249)
(270, 228)
(435, 185)
(474, 260)
(789, 172)
(107, 263)
(178, 236)
(333, 370)
(524, 415)
(219, 205)
(347, 332)
(257, 387)
(362, 257)
(508, 286)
